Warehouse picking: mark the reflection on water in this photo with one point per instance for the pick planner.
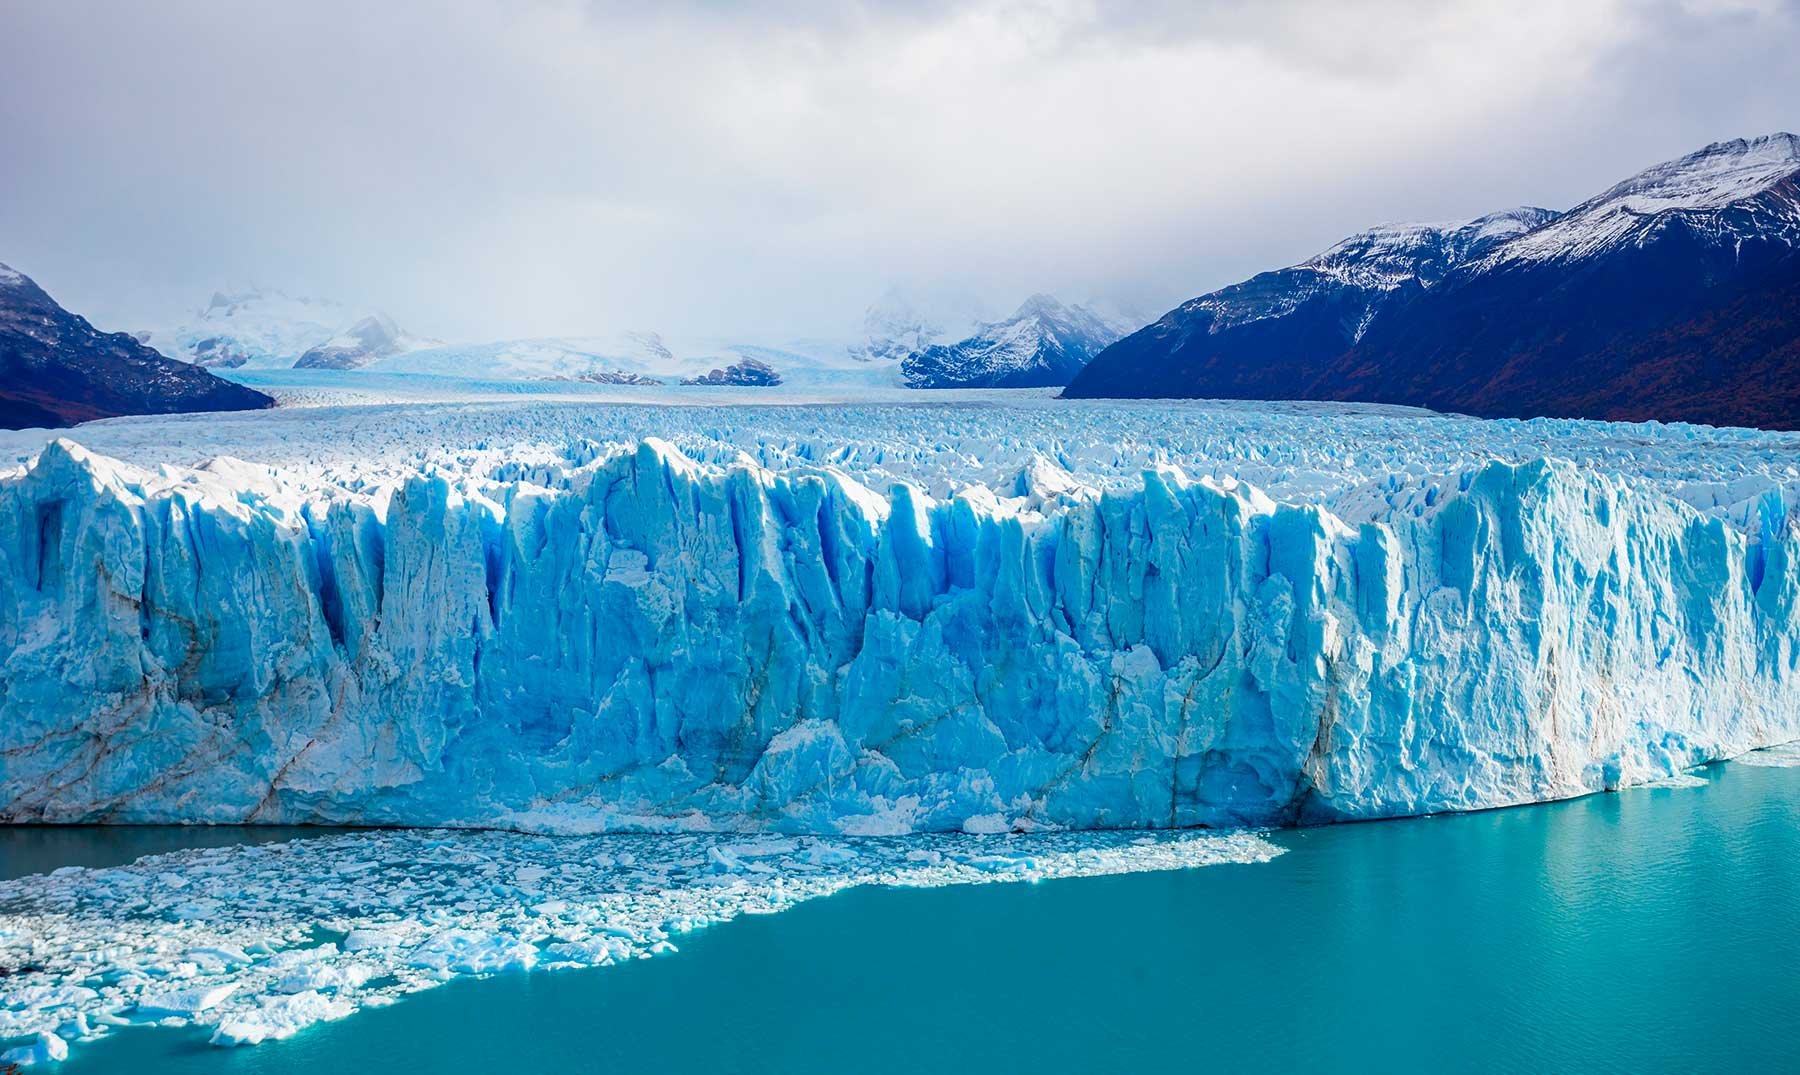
(29, 849)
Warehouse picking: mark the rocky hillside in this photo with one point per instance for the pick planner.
(56, 369)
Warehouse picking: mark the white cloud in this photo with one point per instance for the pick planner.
(498, 169)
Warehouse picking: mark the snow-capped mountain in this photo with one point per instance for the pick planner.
(1254, 335)
(744, 373)
(1728, 192)
(1367, 269)
(906, 321)
(1673, 295)
(254, 327)
(56, 369)
(263, 328)
(1043, 344)
(1395, 255)
(369, 340)
(641, 357)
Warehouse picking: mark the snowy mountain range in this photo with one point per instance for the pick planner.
(907, 320)
(1673, 295)
(264, 328)
(56, 369)
(642, 357)
(1043, 344)
(269, 329)
(920, 338)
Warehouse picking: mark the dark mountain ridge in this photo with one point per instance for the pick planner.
(56, 369)
(1674, 295)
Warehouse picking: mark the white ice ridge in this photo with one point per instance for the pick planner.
(1362, 462)
(617, 637)
(260, 941)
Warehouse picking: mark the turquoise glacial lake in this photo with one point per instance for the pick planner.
(1654, 929)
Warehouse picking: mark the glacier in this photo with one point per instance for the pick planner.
(860, 620)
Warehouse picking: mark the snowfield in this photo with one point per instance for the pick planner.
(338, 431)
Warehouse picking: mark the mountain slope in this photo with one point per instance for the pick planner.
(1042, 345)
(1674, 295)
(56, 369)
(1260, 338)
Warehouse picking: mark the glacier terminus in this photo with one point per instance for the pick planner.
(882, 618)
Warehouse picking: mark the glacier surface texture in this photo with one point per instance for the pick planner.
(876, 620)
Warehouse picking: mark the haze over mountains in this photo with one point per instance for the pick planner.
(266, 328)
(1673, 295)
(932, 339)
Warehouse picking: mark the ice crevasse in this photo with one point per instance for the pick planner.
(644, 642)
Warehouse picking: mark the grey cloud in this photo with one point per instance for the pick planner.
(485, 169)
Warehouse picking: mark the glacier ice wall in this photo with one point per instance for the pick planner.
(643, 642)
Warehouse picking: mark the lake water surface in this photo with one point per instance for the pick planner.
(1651, 929)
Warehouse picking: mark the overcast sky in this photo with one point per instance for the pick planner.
(486, 170)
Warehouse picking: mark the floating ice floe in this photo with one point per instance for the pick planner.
(1784, 756)
(1676, 780)
(286, 937)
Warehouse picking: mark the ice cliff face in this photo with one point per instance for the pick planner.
(640, 641)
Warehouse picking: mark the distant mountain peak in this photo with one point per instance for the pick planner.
(905, 321)
(1041, 305)
(1717, 179)
(252, 326)
(370, 339)
(374, 330)
(1388, 255)
(1709, 178)
(1043, 344)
